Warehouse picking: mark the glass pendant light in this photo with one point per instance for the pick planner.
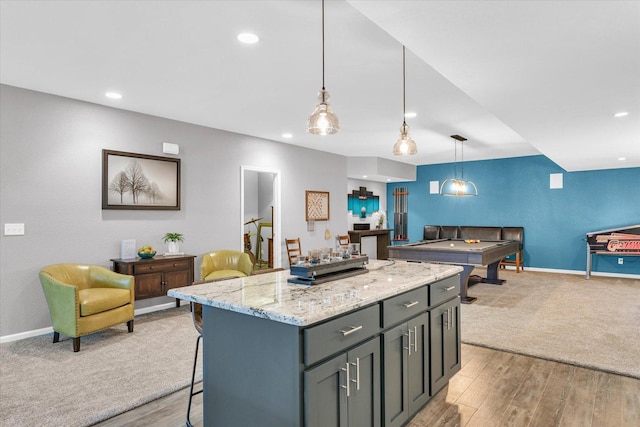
(404, 146)
(323, 121)
(455, 186)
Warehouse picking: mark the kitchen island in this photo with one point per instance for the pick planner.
(281, 354)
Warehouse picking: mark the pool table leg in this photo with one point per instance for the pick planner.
(464, 285)
(492, 274)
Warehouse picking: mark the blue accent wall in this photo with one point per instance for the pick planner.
(515, 192)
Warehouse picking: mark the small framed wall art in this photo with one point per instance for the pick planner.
(317, 205)
(140, 181)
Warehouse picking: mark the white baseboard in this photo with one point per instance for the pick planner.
(44, 331)
(579, 272)
(153, 308)
(27, 334)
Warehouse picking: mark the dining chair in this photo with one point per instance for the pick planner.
(343, 240)
(294, 250)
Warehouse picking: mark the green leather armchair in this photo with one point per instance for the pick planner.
(225, 263)
(84, 299)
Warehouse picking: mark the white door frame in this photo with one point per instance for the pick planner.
(277, 217)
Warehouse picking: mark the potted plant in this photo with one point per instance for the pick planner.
(381, 219)
(173, 240)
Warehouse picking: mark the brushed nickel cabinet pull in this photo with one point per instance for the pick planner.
(449, 288)
(411, 304)
(350, 331)
(347, 371)
(357, 380)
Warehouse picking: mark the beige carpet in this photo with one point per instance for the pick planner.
(46, 384)
(592, 323)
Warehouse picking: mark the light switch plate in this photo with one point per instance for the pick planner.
(14, 229)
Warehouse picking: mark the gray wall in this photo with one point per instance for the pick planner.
(50, 179)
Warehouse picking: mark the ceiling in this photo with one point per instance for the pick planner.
(516, 78)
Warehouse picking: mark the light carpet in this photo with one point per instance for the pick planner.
(46, 384)
(592, 323)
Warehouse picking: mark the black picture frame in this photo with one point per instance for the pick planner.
(135, 181)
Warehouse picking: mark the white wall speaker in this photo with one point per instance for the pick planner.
(169, 148)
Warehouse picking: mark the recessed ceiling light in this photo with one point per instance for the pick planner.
(410, 115)
(621, 114)
(113, 95)
(287, 135)
(248, 38)
(364, 176)
(388, 179)
(622, 159)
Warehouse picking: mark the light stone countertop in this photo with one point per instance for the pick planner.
(270, 296)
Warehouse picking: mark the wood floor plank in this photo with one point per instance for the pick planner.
(528, 396)
(630, 401)
(436, 407)
(493, 407)
(516, 417)
(549, 410)
(484, 384)
(458, 384)
(523, 405)
(607, 408)
(451, 418)
(578, 408)
(493, 411)
(476, 365)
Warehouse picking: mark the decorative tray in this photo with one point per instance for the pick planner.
(315, 274)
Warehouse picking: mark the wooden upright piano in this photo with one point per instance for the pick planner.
(617, 241)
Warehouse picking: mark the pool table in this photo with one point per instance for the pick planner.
(458, 252)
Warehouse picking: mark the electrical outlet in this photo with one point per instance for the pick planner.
(620, 261)
(14, 229)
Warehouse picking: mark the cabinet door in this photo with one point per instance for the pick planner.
(445, 343)
(396, 399)
(418, 362)
(148, 285)
(176, 279)
(364, 392)
(452, 358)
(325, 397)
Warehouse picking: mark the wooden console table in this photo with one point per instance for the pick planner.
(155, 276)
(383, 240)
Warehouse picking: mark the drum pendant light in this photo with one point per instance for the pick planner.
(454, 186)
(404, 146)
(323, 121)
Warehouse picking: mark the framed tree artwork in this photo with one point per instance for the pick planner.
(317, 205)
(140, 181)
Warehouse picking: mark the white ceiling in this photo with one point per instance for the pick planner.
(516, 78)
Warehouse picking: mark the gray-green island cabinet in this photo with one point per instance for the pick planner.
(368, 350)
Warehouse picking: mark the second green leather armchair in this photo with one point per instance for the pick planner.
(225, 263)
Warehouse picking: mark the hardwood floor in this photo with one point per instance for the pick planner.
(493, 388)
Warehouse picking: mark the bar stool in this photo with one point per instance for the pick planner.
(196, 315)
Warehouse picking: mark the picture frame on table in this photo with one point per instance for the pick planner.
(135, 181)
(316, 205)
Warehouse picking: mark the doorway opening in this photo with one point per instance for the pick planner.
(261, 216)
